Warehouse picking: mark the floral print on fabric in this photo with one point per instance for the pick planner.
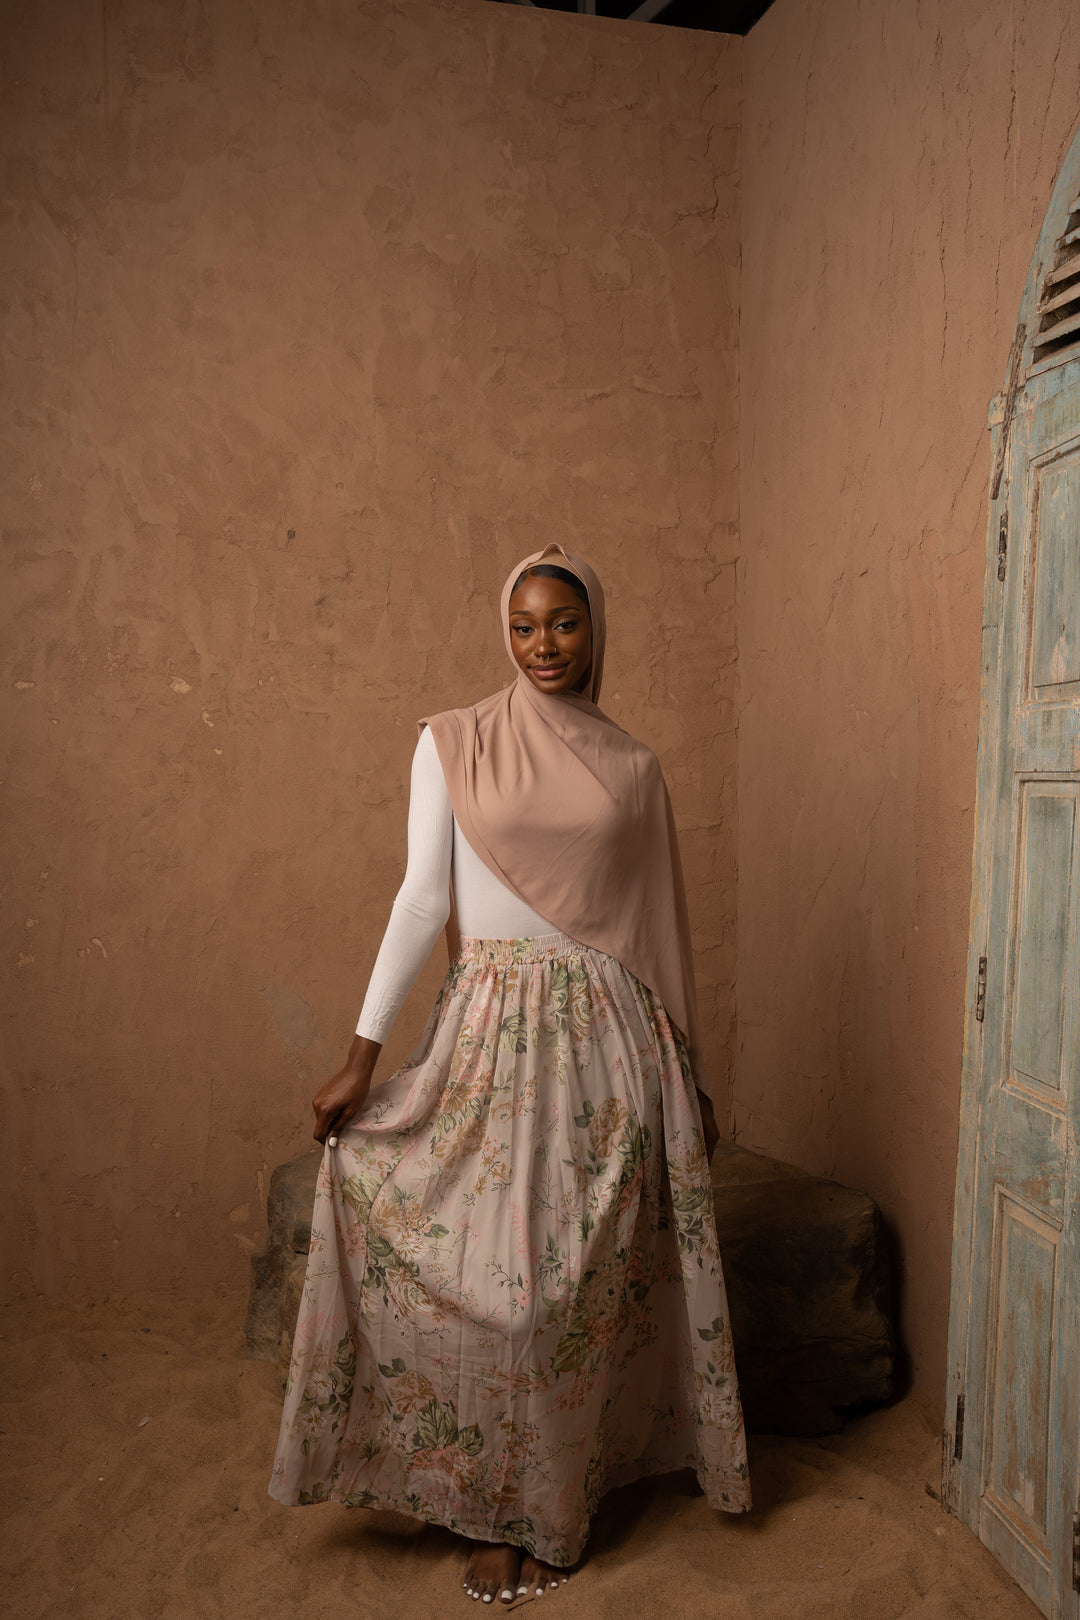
(514, 1299)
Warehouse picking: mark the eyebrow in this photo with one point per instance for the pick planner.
(573, 607)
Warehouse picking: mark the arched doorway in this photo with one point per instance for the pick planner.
(1012, 1443)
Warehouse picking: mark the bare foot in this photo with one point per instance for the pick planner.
(537, 1578)
(492, 1571)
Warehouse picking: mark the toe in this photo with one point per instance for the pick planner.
(532, 1579)
(528, 1571)
(542, 1578)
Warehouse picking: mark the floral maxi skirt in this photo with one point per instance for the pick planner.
(514, 1299)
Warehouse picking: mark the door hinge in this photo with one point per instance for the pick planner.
(980, 996)
(1076, 1552)
(1003, 542)
(958, 1430)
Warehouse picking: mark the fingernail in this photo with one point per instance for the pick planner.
(331, 1141)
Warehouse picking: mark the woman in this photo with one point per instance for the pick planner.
(514, 1299)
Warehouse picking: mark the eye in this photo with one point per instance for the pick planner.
(568, 624)
(521, 629)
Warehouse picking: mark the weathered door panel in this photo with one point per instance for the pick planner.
(1012, 1453)
(1016, 1513)
(1055, 660)
(1037, 995)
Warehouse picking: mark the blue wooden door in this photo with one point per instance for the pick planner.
(1012, 1442)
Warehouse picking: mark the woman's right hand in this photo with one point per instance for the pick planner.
(343, 1096)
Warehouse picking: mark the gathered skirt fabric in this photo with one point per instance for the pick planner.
(514, 1300)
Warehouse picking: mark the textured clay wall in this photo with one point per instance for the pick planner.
(897, 163)
(318, 317)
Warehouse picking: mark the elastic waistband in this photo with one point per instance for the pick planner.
(508, 952)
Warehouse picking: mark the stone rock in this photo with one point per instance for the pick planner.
(808, 1274)
(277, 1269)
(805, 1261)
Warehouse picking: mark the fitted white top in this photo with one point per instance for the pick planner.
(486, 908)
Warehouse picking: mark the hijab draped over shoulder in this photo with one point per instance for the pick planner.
(573, 815)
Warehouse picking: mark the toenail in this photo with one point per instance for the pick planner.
(487, 1597)
(521, 1591)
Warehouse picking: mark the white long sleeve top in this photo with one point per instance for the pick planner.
(486, 908)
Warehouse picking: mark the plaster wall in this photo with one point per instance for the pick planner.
(318, 318)
(897, 163)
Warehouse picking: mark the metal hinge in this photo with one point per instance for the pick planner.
(1003, 542)
(958, 1429)
(980, 997)
(1076, 1552)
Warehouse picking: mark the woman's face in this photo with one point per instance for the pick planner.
(551, 635)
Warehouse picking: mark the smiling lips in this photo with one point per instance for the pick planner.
(547, 672)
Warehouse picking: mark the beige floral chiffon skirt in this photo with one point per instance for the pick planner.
(514, 1299)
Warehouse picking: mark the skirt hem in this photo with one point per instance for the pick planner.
(631, 1475)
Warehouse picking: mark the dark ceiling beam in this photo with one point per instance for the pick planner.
(717, 16)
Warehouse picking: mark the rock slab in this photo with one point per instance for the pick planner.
(278, 1268)
(809, 1280)
(806, 1262)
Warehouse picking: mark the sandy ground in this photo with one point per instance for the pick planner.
(138, 1442)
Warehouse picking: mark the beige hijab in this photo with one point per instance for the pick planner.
(573, 815)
